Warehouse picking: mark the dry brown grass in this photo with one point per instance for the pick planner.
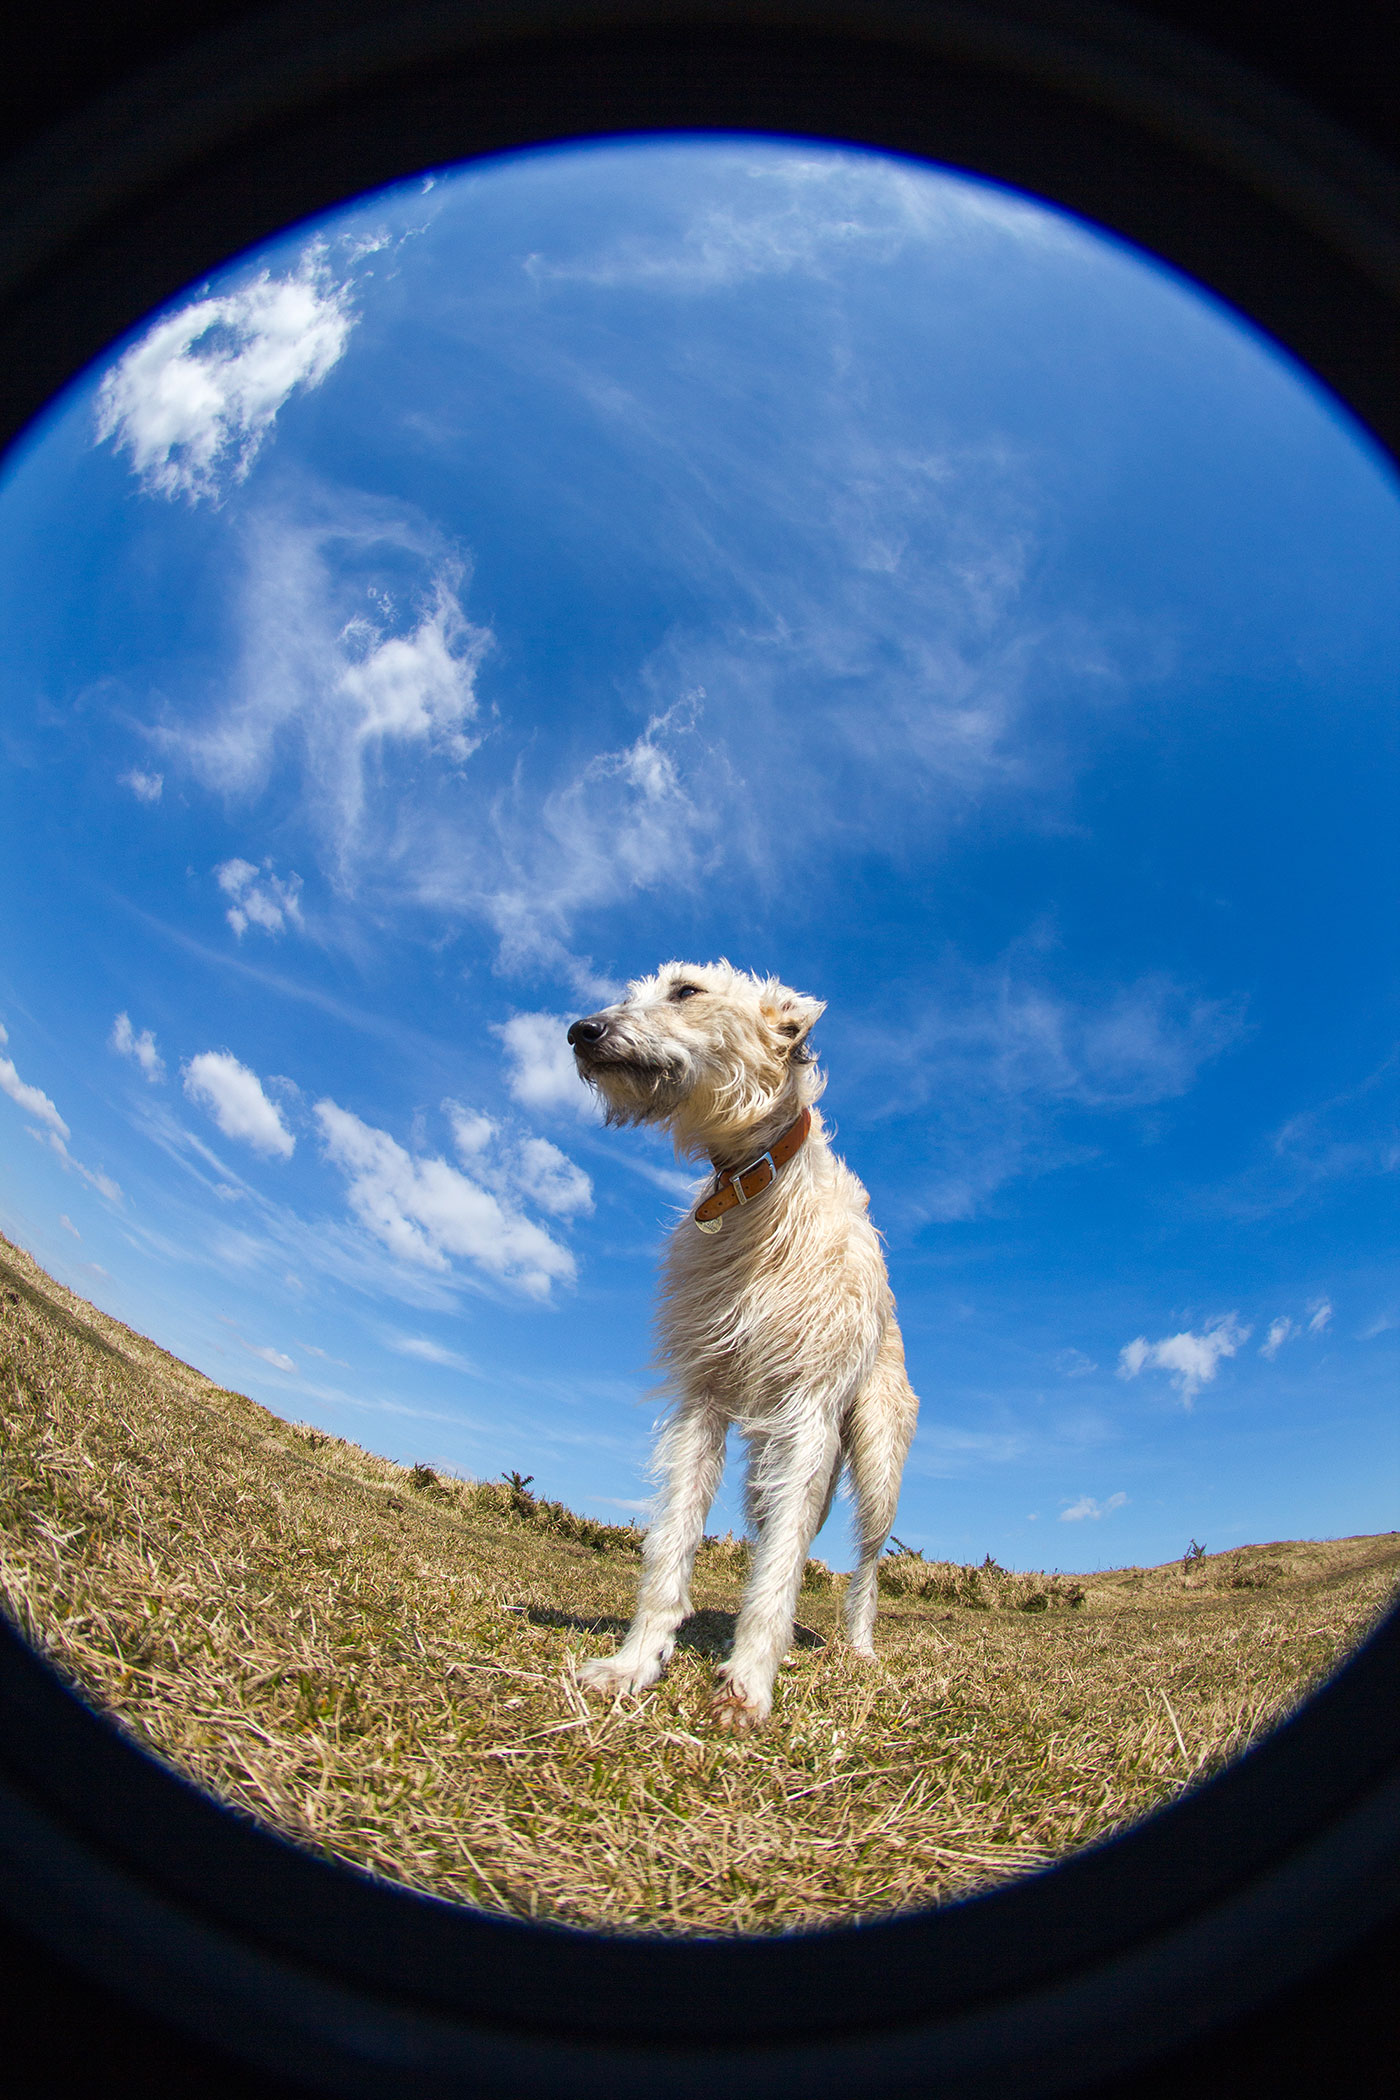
(380, 1662)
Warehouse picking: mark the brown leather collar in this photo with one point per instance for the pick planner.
(736, 1185)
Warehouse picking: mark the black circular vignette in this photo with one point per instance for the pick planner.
(1244, 1940)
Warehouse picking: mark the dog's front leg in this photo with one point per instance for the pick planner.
(792, 1476)
(692, 1458)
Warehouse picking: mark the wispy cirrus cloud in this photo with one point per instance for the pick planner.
(1351, 1136)
(95, 1177)
(1319, 1315)
(789, 214)
(634, 819)
(192, 401)
(356, 655)
(268, 1355)
(49, 1127)
(430, 1352)
(1011, 1071)
(1356, 1132)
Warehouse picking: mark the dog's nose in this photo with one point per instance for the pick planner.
(590, 1031)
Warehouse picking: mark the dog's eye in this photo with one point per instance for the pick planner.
(685, 991)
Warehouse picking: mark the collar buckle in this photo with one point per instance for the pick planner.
(736, 1176)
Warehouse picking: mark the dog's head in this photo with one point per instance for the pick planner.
(705, 1048)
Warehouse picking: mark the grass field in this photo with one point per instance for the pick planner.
(380, 1662)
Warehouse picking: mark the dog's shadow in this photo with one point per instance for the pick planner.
(707, 1633)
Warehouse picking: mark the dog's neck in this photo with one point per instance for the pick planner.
(739, 1147)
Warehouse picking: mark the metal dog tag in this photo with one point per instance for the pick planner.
(709, 1224)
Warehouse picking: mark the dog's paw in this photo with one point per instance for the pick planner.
(612, 1675)
(735, 1710)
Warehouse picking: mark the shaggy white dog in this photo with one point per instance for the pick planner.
(776, 1314)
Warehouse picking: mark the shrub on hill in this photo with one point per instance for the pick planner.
(904, 1573)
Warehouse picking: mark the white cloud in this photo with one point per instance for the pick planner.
(269, 1356)
(67, 1223)
(424, 1210)
(552, 1180)
(1086, 1506)
(260, 898)
(146, 787)
(192, 401)
(32, 1099)
(1191, 1359)
(509, 1164)
(417, 686)
(234, 1097)
(1073, 1363)
(864, 641)
(472, 1133)
(1284, 1329)
(140, 1048)
(541, 1073)
(1280, 1331)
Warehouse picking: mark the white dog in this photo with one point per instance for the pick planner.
(776, 1314)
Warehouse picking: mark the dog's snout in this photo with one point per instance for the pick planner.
(590, 1031)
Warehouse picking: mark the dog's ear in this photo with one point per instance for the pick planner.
(794, 1018)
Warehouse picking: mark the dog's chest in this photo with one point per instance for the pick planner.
(778, 1294)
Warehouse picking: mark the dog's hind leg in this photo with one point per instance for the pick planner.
(691, 1457)
(878, 1431)
(791, 1481)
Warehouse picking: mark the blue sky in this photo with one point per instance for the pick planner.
(721, 548)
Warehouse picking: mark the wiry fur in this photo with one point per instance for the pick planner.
(782, 1323)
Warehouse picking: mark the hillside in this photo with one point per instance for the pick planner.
(379, 1661)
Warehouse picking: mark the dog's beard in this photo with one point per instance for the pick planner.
(633, 1092)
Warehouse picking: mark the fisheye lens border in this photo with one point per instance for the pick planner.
(151, 159)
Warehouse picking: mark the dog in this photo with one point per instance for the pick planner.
(776, 1316)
